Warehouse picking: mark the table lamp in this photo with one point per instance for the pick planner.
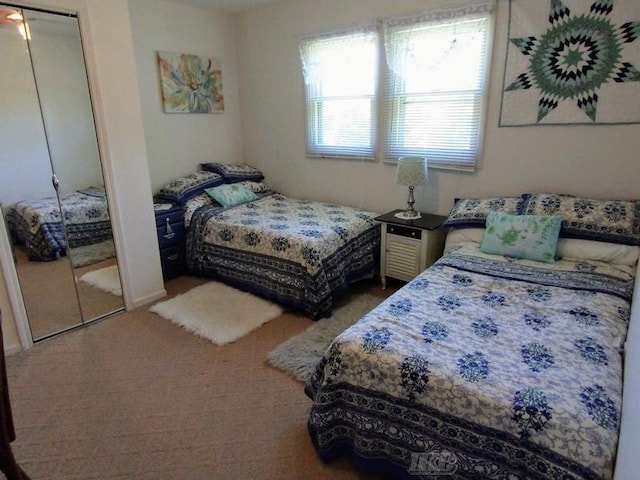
(412, 172)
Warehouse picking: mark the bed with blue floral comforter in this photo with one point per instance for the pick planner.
(481, 367)
(38, 223)
(300, 253)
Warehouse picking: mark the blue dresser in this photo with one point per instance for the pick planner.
(170, 229)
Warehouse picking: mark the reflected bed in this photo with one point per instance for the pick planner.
(37, 224)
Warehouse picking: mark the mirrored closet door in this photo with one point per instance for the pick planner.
(52, 193)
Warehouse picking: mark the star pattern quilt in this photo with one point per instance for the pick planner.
(572, 62)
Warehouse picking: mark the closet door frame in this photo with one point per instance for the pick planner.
(16, 301)
(10, 274)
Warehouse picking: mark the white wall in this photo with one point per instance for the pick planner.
(64, 97)
(599, 161)
(177, 143)
(66, 107)
(63, 93)
(24, 160)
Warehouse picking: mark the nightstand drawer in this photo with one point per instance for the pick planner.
(404, 231)
(171, 239)
(170, 234)
(174, 261)
(173, 214)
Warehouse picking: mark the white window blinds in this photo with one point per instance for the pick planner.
(340, 72)
(435, 86)
(433, 99)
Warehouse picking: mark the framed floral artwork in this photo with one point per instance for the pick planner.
(190, 83)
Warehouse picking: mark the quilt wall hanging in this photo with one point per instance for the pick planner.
(572, 62)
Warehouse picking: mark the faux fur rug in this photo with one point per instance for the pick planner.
(106, 279)
(217, 312)
(299, 355)
(89, 254)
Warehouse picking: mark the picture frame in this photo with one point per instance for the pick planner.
(190, 83)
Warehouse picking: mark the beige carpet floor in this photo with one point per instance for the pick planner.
(134, 396)
(50, 295)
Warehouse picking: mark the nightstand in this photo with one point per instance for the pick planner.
(170, 229)
(409, 246)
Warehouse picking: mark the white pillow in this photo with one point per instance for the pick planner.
(457, 236)
(255, 187)
(575, 248)
(193, 204)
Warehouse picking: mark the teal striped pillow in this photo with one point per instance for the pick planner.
(231, 194)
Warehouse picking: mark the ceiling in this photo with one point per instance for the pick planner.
(230, 6)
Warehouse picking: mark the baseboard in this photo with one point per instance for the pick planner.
(139, 302)
(12, 349)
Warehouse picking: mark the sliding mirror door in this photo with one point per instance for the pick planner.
(52, 189)
(47, 287)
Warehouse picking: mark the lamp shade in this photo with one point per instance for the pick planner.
(412, 171)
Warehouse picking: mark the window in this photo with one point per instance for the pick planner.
(435, 88)
(340, 73)
(432, 100)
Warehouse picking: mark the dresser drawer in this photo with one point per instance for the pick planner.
(170, 234)
(174, 261)
(170, 231)
(164, 212)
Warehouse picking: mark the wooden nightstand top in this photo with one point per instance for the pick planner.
(160, 207)
(427, 221)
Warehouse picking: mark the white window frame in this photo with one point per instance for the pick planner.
(364, 146)
(467, 105)
(464, 158)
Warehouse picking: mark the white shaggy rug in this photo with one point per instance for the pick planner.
(217, 312)
(299, 355)
(106, 279)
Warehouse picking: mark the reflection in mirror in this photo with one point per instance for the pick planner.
(52, 192)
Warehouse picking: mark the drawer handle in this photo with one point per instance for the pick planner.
(173, 257)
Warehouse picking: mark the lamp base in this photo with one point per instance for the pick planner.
(408, 215)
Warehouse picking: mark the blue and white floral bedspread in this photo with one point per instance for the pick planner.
(482, 367)
(299, 252)
(38, 223)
